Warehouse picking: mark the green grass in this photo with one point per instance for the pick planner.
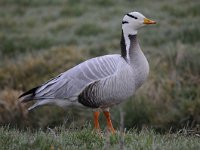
(88, 30)
(40, 39)
(86, 138)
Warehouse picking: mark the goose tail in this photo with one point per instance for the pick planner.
(28, 96)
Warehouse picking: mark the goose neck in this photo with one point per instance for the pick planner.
(129, 46)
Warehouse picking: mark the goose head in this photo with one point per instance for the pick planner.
(133, 21)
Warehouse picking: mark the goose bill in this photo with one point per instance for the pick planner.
(148, 21)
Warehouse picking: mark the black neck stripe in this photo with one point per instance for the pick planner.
(131, 16)
(123, 46)
(133, 41)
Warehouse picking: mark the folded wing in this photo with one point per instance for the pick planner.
(69, 84)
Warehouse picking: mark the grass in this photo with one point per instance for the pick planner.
(86, 138)
(40, 39)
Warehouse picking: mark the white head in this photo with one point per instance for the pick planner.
(133, 21)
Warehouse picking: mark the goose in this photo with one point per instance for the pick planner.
(101, 82)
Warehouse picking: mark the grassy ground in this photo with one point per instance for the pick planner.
(85, 138)
(40, 39)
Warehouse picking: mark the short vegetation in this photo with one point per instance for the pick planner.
(86, 139)
(40, 39)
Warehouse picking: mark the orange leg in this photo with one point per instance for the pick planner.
(96, 120)
(109, 122)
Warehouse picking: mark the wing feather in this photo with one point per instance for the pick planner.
(69, 84)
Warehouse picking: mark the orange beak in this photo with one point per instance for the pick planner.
(148, 21)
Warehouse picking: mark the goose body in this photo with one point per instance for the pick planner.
(100, 82)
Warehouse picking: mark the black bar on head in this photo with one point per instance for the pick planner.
(131, 16)
(123, 22)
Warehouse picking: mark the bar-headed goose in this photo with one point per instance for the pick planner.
(102, 82)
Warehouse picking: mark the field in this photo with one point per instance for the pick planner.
(85, 138)
(41, 39)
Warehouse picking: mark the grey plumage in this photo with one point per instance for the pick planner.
(99, 82)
